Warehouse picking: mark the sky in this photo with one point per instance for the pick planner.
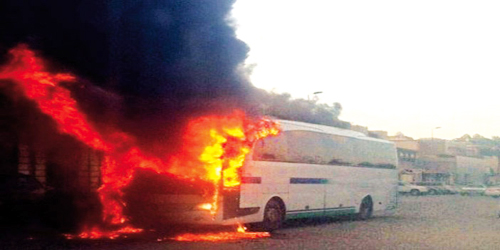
(398, 66)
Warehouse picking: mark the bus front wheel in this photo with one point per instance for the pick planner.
(273, 215)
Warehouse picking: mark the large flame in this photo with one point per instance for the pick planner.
(214, 147)
(43, 88)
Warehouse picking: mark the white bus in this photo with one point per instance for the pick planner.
(308, 170)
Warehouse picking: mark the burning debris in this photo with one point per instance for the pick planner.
(97, 233)
(240, 234)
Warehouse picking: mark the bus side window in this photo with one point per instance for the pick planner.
(266, 156)
(339, 162)
(270, 149)
(307, 159)
(258, 150)
(339, 150)
(318, 159)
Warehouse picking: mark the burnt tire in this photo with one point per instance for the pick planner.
(274, 215)
(365, 209)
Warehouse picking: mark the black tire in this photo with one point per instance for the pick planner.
(432, 192)
(365, 209)
(415, 192)
(274, 215)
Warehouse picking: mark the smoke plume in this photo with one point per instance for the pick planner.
(147, 66)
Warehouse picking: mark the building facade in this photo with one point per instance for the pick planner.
(443, 161)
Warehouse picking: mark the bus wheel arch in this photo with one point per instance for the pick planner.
(366, 208)
(274, 214)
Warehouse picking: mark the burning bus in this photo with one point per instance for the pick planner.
(305, 171)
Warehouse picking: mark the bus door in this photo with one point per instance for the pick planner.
(306, 196)
(340, 190)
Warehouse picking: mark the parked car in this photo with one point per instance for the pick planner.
(492, 191)
(450, 189)
(473, 189)
(446, 189)
(433, 187)
(408, 188)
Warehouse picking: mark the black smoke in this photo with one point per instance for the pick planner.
(146, 66)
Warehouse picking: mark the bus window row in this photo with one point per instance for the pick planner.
(310, 147)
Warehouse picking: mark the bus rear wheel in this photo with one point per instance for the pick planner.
(273, 215)
(366, 209)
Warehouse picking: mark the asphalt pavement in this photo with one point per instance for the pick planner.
(423, 222)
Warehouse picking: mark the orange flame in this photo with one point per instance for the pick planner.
(97, 233)
(214, 147)
(43, 87)
(240, 234)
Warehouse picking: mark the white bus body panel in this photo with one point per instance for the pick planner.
(336, 187)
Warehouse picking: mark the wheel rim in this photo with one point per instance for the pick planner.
(363, 214)
(365, 211)
(273, 216)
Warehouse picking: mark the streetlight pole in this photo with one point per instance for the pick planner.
(314, 93)
(432, 132)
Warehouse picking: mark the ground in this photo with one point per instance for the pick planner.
(424, 222)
